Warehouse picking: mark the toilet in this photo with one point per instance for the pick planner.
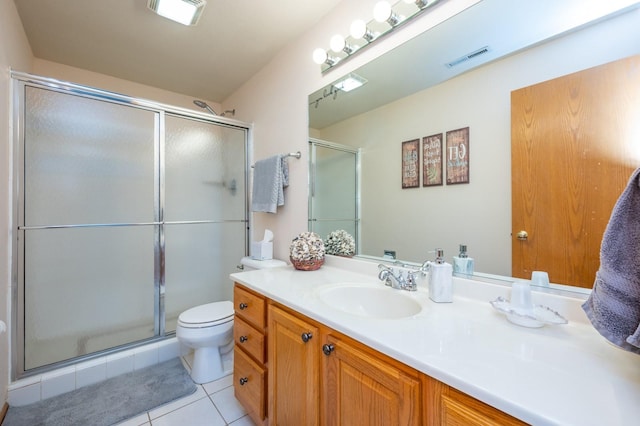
(208, 330)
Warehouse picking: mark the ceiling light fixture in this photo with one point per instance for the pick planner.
(386, 19)
(186, 12)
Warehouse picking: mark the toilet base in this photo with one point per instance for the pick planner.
(207, 365)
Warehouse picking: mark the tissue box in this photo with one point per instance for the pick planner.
(262, 250)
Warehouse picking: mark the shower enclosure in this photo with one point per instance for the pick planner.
(127, 212)
(334, 189)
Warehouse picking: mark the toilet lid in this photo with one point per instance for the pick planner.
(210, 313)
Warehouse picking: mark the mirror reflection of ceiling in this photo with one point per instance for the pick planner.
(504, 26)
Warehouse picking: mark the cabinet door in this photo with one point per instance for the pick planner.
(359, 388)
(293, 354)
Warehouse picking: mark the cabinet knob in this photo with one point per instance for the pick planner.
(306, 337)
(243, 306)
(327, 348)
(243, 339)
(243, 381)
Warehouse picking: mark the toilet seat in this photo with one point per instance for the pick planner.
(208, 315)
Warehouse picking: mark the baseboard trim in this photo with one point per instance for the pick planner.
(3, 412)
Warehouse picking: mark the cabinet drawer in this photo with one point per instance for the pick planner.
(249, 385)
(248, 338)
(249, 307)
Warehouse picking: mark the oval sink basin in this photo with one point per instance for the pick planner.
(367, 301)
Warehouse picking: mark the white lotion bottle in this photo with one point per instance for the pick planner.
(440, 279)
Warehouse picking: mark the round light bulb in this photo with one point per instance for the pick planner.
(319, 56)
(337, 43)
(381, 11)
(358, 29)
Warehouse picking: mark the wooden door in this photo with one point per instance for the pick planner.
(293, 377)
(574, 144)
(361, 389)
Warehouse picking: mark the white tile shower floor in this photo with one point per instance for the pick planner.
(213, 404)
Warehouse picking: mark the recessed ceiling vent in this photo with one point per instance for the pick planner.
(468, 56)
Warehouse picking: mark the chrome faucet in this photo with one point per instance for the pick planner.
(397, 281)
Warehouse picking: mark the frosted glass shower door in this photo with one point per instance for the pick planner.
(204, 212)
(333, 201)
(86, 224)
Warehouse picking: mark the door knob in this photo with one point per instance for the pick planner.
(522, 235)
(306, 337)
(243, 339)
(243, 306)
(243, 381)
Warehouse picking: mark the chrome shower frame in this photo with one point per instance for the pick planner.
(20, 81)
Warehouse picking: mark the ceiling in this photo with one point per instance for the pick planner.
(233, 40)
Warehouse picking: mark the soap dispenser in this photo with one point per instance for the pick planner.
(440, 279)
(462, 263)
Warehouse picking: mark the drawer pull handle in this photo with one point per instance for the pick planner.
(327, 349)
(243, 339)
(306, 337)
(243, 306)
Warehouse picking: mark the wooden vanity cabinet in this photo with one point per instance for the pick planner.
(249, 352)
(362, 387)
(312, 375)
(294, 369)
(449, 406)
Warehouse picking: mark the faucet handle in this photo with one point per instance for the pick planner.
(411, 282)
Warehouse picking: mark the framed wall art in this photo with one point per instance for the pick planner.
(457, 155)
(411, 164)
(432, 160)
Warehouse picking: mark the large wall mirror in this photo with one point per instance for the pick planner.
(422, 88)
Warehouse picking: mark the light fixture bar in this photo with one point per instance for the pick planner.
(185, 12)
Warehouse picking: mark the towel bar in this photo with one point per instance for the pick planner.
(297, 155)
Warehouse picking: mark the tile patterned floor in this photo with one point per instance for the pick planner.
(213, 404)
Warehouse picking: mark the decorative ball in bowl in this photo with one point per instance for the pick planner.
(340, 243)
(307, 251)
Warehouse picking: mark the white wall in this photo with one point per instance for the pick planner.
(479, 213)
(15, 53)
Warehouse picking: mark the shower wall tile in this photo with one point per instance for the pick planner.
(58, 382)
(24, 392)
(120, 363)
(168, 349)
(145, 356)
(88, 373)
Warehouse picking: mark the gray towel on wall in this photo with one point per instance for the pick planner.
(270, 177)
(614, 305)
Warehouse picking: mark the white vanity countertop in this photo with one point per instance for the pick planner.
(554, 375)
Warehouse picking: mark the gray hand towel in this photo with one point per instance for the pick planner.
(614, 305)
(270, 177)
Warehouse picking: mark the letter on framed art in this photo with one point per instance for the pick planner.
(432, 160)
(411, 164)
(457, 155)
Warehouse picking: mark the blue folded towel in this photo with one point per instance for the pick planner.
(270, 177)
(614, 305)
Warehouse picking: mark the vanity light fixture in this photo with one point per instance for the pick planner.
(350, 82)
(387, 18)
(382, 12)
(185, 12)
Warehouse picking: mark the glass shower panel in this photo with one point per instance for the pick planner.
(204, 182)
(334, 191)
(88, 285)
(86, 161)
(199, 258)
(86, 289)
(204, 171)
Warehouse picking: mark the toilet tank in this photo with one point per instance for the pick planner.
(250, 264)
